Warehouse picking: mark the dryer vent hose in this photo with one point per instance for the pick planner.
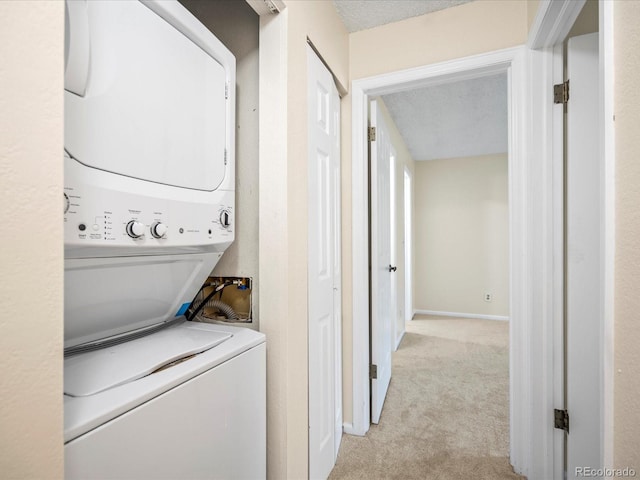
(224, 308)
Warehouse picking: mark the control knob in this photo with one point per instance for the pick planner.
(225, 218)
(135, 229)
(159, 229)
(66, 203)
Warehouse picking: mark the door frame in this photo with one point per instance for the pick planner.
(548, 33)
(536, 449)
(513, 61)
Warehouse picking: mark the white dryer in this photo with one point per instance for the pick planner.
(149, 210)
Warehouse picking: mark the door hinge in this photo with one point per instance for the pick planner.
(561, 93)
(373, 371)
(561, 419)
(225, 156)
(226, 90)
(372, 134)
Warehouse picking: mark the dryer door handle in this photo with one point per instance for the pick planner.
(77, 46)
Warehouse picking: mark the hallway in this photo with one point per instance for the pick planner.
(446, 412)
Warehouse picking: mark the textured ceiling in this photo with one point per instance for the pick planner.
(362, 14)
(460, 119)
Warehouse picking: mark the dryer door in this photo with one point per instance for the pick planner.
(150, 104)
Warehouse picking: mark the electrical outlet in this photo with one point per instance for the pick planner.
(488, 297)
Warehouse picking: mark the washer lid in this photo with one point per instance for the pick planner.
(151, 104)
(94, 372)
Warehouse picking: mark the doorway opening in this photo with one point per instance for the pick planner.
(453, 137)
(511, 62)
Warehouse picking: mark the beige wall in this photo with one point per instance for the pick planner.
(627, 263)
(532, 10)
(236, 25)
(31, 252)
(283, 216)
(587, 21)
(462, 235)
(487, 26)
(468, 29)
(31, 35)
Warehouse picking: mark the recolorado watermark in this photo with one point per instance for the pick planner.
(587, 472)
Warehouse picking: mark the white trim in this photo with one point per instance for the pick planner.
(550, 29)
(553, 322)
(511, 60)
(478, 316)
(545, 267)
(399, 340)
(553, 22)
(408, 244)
(360, 260)
(608, 225)
(520, 274)
(475, 66)
(264, 7)
(347, 427)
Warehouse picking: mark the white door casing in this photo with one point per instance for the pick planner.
(512, 60)
(324, 292)
(584, 262)
(382, 328)
(408, 257)
(397, 307)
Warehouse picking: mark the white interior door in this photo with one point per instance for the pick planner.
(324, 289)
(583, 243)
(381, 269)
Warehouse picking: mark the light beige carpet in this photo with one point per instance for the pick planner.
(446, 415)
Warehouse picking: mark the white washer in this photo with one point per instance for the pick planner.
(149, 210)
(202, 418)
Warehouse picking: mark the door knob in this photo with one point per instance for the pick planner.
(392, 268)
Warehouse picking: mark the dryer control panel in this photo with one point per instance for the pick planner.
(106, 212)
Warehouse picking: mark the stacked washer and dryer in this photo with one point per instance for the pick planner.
(149, 208)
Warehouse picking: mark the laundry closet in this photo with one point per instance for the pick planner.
(155, 386)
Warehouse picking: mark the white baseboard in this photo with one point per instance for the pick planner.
(463, 315)
(347, 427)
(399, 339)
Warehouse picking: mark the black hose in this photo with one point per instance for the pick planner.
(195, 312)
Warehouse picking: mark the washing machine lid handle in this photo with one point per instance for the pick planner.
(94, 372)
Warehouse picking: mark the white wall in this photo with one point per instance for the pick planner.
(31, 244)
(462, 235)
(237, 25)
